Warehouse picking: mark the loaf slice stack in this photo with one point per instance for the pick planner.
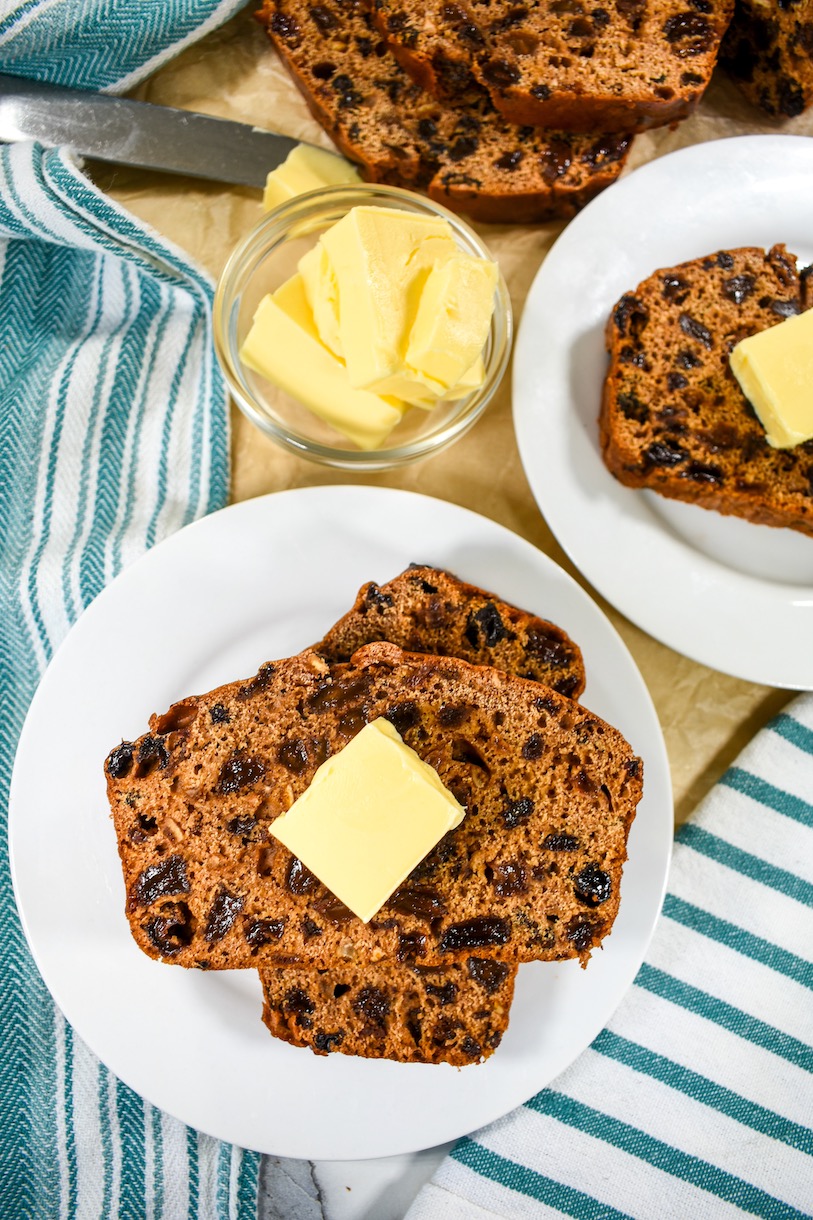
(573, 66)
(463, 154)
(673, 416)
(431, 978)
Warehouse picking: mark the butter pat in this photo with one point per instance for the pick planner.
(381, 258)
(775, 372)
(306, 169)
(284, 347)
(370, 815)
(453, 318)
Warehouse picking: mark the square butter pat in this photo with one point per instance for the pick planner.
(775, 372)
(371, 814)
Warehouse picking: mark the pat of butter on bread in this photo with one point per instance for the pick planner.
(371, 813)
(775, 370)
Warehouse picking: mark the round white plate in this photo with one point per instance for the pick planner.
(735, 596)
(257, 581)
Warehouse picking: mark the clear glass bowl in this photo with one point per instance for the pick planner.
(265, 259)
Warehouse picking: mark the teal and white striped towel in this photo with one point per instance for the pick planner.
(113, 433)
(696, 1101)
(107, 45)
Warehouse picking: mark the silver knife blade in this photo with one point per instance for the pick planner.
(139, 133)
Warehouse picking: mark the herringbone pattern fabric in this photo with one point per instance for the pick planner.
(113, 433)
(101, 44)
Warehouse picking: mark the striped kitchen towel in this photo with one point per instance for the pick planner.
(113, 433)
(696, 1101)
(107, 45)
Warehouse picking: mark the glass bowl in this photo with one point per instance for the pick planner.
(265, 259)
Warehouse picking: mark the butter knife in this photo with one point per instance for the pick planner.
(139, 133)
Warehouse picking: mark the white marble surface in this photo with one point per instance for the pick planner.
(381, 1189)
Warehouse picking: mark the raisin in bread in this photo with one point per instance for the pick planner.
(533, 871)
(572, 65)
(673, 416)
(464, 156)
(416, 1014)
(768, 50)
(429, 610)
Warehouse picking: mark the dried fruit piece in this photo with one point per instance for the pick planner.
(160, 880)
(475, 933)
(592, 885)
(261, 932)
(240, 771)
(172, 930)
(224, 910)
(120, 760)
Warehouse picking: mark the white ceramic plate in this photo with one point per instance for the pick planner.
(737, 597)
(257, 581)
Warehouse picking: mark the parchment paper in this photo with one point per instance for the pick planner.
(234, 73)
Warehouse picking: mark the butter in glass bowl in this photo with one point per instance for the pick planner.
(289, 365)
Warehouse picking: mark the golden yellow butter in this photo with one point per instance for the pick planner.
(381, 258)
(452, 319)
(386, 305)
(322, 292)
(283, 345)
(370, 815)
(775, 372)
(306, 168)
(417, 390)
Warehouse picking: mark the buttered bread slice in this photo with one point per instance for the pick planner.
(532, 872)
(674, 418)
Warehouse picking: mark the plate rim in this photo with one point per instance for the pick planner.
(703, 575)
(663, 825)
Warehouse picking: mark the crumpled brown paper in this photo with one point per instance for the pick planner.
(233, 73)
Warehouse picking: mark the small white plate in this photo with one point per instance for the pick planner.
(257, 581)
(735, 596)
